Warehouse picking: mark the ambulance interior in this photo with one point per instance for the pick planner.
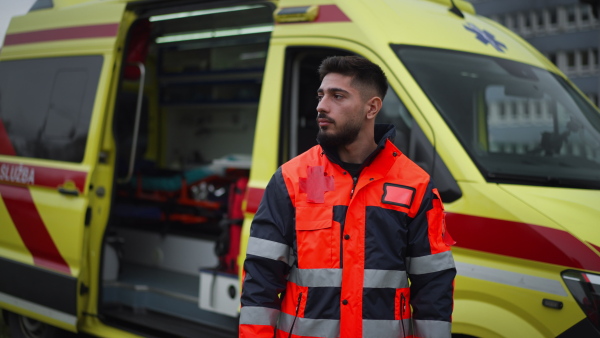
(184, 123)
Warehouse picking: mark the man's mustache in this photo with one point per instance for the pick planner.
(325, 117)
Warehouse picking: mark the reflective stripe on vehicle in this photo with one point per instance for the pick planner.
(31, 228)
(66, 33)
(430, 263)
(511, 278)
(16, 173)
(521, 240)
(36, 308)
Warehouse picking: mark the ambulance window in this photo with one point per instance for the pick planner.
(519, 123)
(46, 106)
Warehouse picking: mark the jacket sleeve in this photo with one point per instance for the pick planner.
(268, 260)
(431, 269)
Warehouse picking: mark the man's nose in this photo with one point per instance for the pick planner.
(322, 105)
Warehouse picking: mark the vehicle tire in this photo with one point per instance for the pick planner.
(25, 327)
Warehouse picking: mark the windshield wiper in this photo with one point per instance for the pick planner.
(548, 181)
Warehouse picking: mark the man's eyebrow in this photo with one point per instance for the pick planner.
(332, 90)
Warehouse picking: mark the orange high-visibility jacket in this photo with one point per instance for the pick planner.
(340, 251)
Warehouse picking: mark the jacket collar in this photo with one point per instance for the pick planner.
(383, 132)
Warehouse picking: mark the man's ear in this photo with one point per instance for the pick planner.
(373, 107)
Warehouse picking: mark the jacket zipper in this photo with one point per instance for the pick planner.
(354, 180)
(402, 308)
(296, 315)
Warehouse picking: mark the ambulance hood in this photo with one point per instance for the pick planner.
(574, 210)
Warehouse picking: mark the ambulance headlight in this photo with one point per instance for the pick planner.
(585, 288)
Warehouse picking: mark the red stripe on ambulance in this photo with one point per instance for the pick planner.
(331, 13)
(41, 176)
(514, 239)
(6, 147)
(521, 240)
(67, 33)
(327, 13)
(32, 229)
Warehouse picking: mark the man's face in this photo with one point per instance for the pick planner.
(341, 111)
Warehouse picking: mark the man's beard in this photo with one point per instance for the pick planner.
(346, 135)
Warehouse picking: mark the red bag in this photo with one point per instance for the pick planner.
(228, 245)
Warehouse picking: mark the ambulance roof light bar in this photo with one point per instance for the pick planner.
(202, 12)
(296, 14)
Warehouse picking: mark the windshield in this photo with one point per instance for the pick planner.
(520, 124)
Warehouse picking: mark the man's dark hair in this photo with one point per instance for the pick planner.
(364, 73)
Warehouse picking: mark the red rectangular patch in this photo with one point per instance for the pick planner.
(400, 195)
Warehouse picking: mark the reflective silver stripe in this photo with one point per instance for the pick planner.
(268, 249)
(386, 328)
(40, 309)
(432, 329)
(316, 277)
(430, 263)
(256, 315)
(326, 328)
(385, 279)
(511, 278)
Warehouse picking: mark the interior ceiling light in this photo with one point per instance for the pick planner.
(202, 12)
(218, 33)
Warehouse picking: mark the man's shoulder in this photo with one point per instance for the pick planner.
(311, 156)
(409, 167)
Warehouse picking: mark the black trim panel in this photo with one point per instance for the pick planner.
(38, 285)
(584, 328)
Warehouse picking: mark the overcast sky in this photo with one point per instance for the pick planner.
(8, 8)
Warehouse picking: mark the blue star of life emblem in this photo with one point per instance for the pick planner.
(486, 37)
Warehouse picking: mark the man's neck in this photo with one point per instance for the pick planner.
(357, 151)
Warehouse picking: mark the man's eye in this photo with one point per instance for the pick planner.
(319, 97)
(338, 96)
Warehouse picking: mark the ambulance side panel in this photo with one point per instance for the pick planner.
(55, 74)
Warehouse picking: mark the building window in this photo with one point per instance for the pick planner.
(526, 23)
(586, 15)
(585, 59)
(539, 19)
(571, 59)
(509, 22)
(553, 14)
(571, 16)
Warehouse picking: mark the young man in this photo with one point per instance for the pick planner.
(342, 227)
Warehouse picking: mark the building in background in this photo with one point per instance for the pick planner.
(566, 31)
(8, 9)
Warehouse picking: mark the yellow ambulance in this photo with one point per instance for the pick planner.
(137, 137)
